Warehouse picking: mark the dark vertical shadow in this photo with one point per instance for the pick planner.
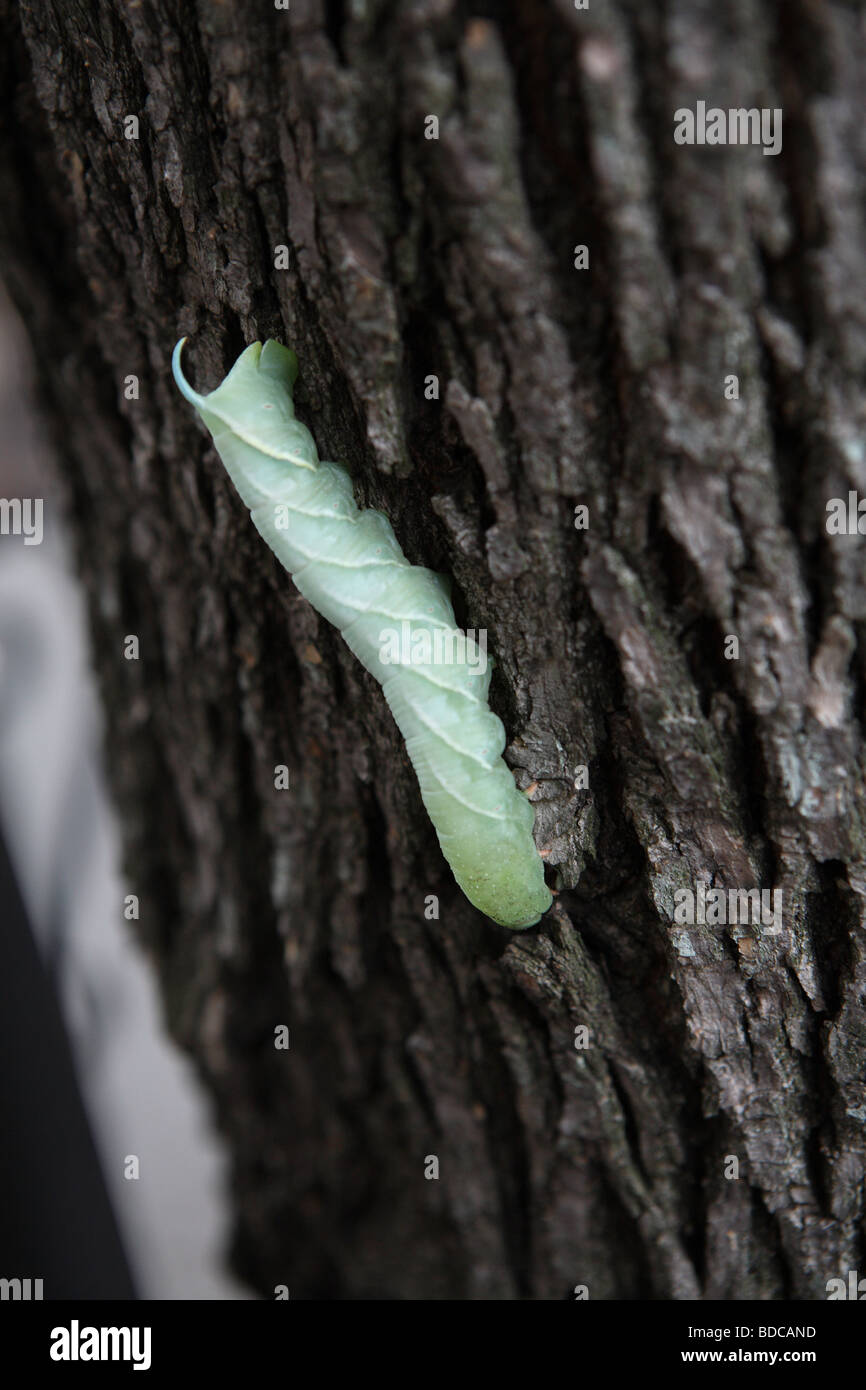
(56, 1222)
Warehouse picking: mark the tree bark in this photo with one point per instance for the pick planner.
(608, 1165)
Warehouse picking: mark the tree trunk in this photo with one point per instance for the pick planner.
(604, 1159)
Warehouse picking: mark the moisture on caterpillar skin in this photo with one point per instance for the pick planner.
(349, 565)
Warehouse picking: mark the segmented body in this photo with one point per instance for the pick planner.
(350, 566)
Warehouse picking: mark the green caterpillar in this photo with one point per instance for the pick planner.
(349, 565)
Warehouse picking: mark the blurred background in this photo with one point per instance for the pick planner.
(62, 886)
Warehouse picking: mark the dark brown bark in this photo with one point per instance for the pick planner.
(604, 1166)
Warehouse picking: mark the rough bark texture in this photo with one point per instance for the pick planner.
(258, 127)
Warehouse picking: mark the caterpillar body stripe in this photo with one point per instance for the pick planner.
(348, 563)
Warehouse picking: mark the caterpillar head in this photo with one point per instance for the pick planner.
(251, 416)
